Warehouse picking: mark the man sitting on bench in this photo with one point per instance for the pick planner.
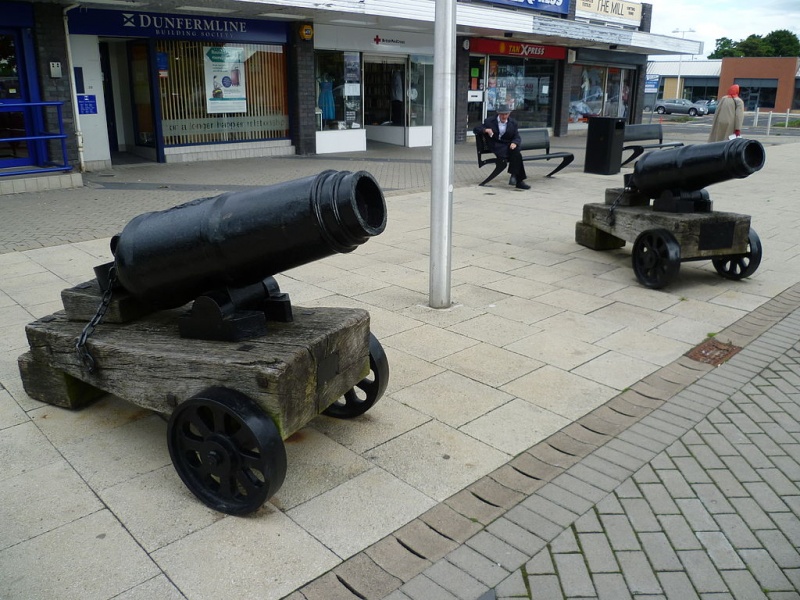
(503, 133)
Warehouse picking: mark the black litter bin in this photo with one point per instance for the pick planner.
(604, 141)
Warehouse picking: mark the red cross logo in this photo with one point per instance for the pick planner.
(377, 39)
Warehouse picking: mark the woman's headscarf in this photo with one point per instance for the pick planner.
(733, 91)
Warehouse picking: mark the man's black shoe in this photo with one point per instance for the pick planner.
(523, 186)
(512, 181)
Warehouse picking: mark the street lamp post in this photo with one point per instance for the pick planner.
(683, 33)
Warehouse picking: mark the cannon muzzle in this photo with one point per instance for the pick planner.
(691, 168)
(168, 258)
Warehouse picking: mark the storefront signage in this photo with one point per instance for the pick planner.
(90, 21)
(174, 127)
(87, 104)
(332, 37)
(555, 6)
(486, 46)
(612, 11)
(224, 76)
(651, 84)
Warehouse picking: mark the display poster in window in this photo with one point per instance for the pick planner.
(224, 79)
(352, 89)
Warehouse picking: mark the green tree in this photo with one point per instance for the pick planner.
(780, 42)
(783, 43)
(726, 47)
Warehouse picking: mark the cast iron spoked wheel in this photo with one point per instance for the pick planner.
(742, 265)
(226, 450)
(656, 258)
(366, 392)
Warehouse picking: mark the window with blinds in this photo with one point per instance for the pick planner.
(262, 113)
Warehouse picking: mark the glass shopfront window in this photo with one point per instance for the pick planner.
(600, 92)
(526, 86)
(420, 90)
(216, 92)
(338, 77)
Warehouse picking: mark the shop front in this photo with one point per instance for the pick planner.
(178, 88)
(372, 85)
(520, 75)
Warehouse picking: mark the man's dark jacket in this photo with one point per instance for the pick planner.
(499, 145)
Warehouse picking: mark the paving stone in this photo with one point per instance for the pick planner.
(628, 489)
(397, 560)
(640, 577)
(707, 458)
(470, 506)
(611, 586)
(640, 515)
(534, 467)
(569, 445)
(676, 484)
(679, 533)
(678, 586)
(788, 466)
(779, 483)
(450, 523)
(578, 487)
(610, 506)
(552, 511)
(765, 497)
(733, 434)
(789, 525)
(367, 579)
(516, 536)
(720, 551)
(620, 533)
(779, 548)
(741, 469)
(424, 541)
(701, 571)
(516, 480)
(534, 523)
(727, 483)
(455, 580)
(512, 586)
(540, 564)
(588, 523)
(553, 457)
(646, 475)
(765, 570)
(497, 550)
(494, 493)
(660, 499)
(422, 588)
(720, 445)
(619, 458)
(477, 565)
(660, 552)
(575, 579)
(598, 553)
(595, 478)
(691, 469)
(545, 587)
(662, 462)
(656, 434)
(327, 587)
(713, 500)
(696, 514)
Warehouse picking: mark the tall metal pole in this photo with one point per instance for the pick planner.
(444, 77)
(683, 33)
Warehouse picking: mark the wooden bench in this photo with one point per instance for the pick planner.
(532, 139)
(644, 132)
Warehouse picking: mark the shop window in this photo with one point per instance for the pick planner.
(338, 90)
(420, 90)
(525, 86)
(600, 91)
(212, 92)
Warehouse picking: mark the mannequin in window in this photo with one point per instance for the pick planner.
(397, 97)
(326, 97)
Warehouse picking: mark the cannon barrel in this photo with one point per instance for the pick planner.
(692, 168)
(168, 258)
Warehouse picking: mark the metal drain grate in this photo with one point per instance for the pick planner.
(713, 352)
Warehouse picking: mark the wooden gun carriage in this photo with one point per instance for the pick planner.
(680, 224)
(192, 325)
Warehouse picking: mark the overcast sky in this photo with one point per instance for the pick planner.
(713, 19)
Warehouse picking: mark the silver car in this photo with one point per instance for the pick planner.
(680, 105)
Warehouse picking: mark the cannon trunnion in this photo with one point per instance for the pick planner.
(192, 324)
(680, 225)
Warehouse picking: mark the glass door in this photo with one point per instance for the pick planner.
(15, 116)
(144, 121)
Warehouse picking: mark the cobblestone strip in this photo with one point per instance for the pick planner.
(714, 514)
(489, 530)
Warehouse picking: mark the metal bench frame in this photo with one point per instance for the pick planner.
(643, 132)
(532, 139)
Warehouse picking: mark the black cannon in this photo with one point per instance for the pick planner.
(240, 370)
(676, 178)
(681, 224)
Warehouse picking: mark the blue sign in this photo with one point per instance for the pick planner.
(91, 21)
(555, 6)
(651, 84)
(87, 104)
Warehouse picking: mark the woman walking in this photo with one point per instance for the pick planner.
(729, 116)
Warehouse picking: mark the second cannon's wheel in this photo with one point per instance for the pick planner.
(742, 265)
(226, 450)
(656, 258)
(366, 392)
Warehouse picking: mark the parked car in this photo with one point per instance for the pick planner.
(711, 106)
(679, 105)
